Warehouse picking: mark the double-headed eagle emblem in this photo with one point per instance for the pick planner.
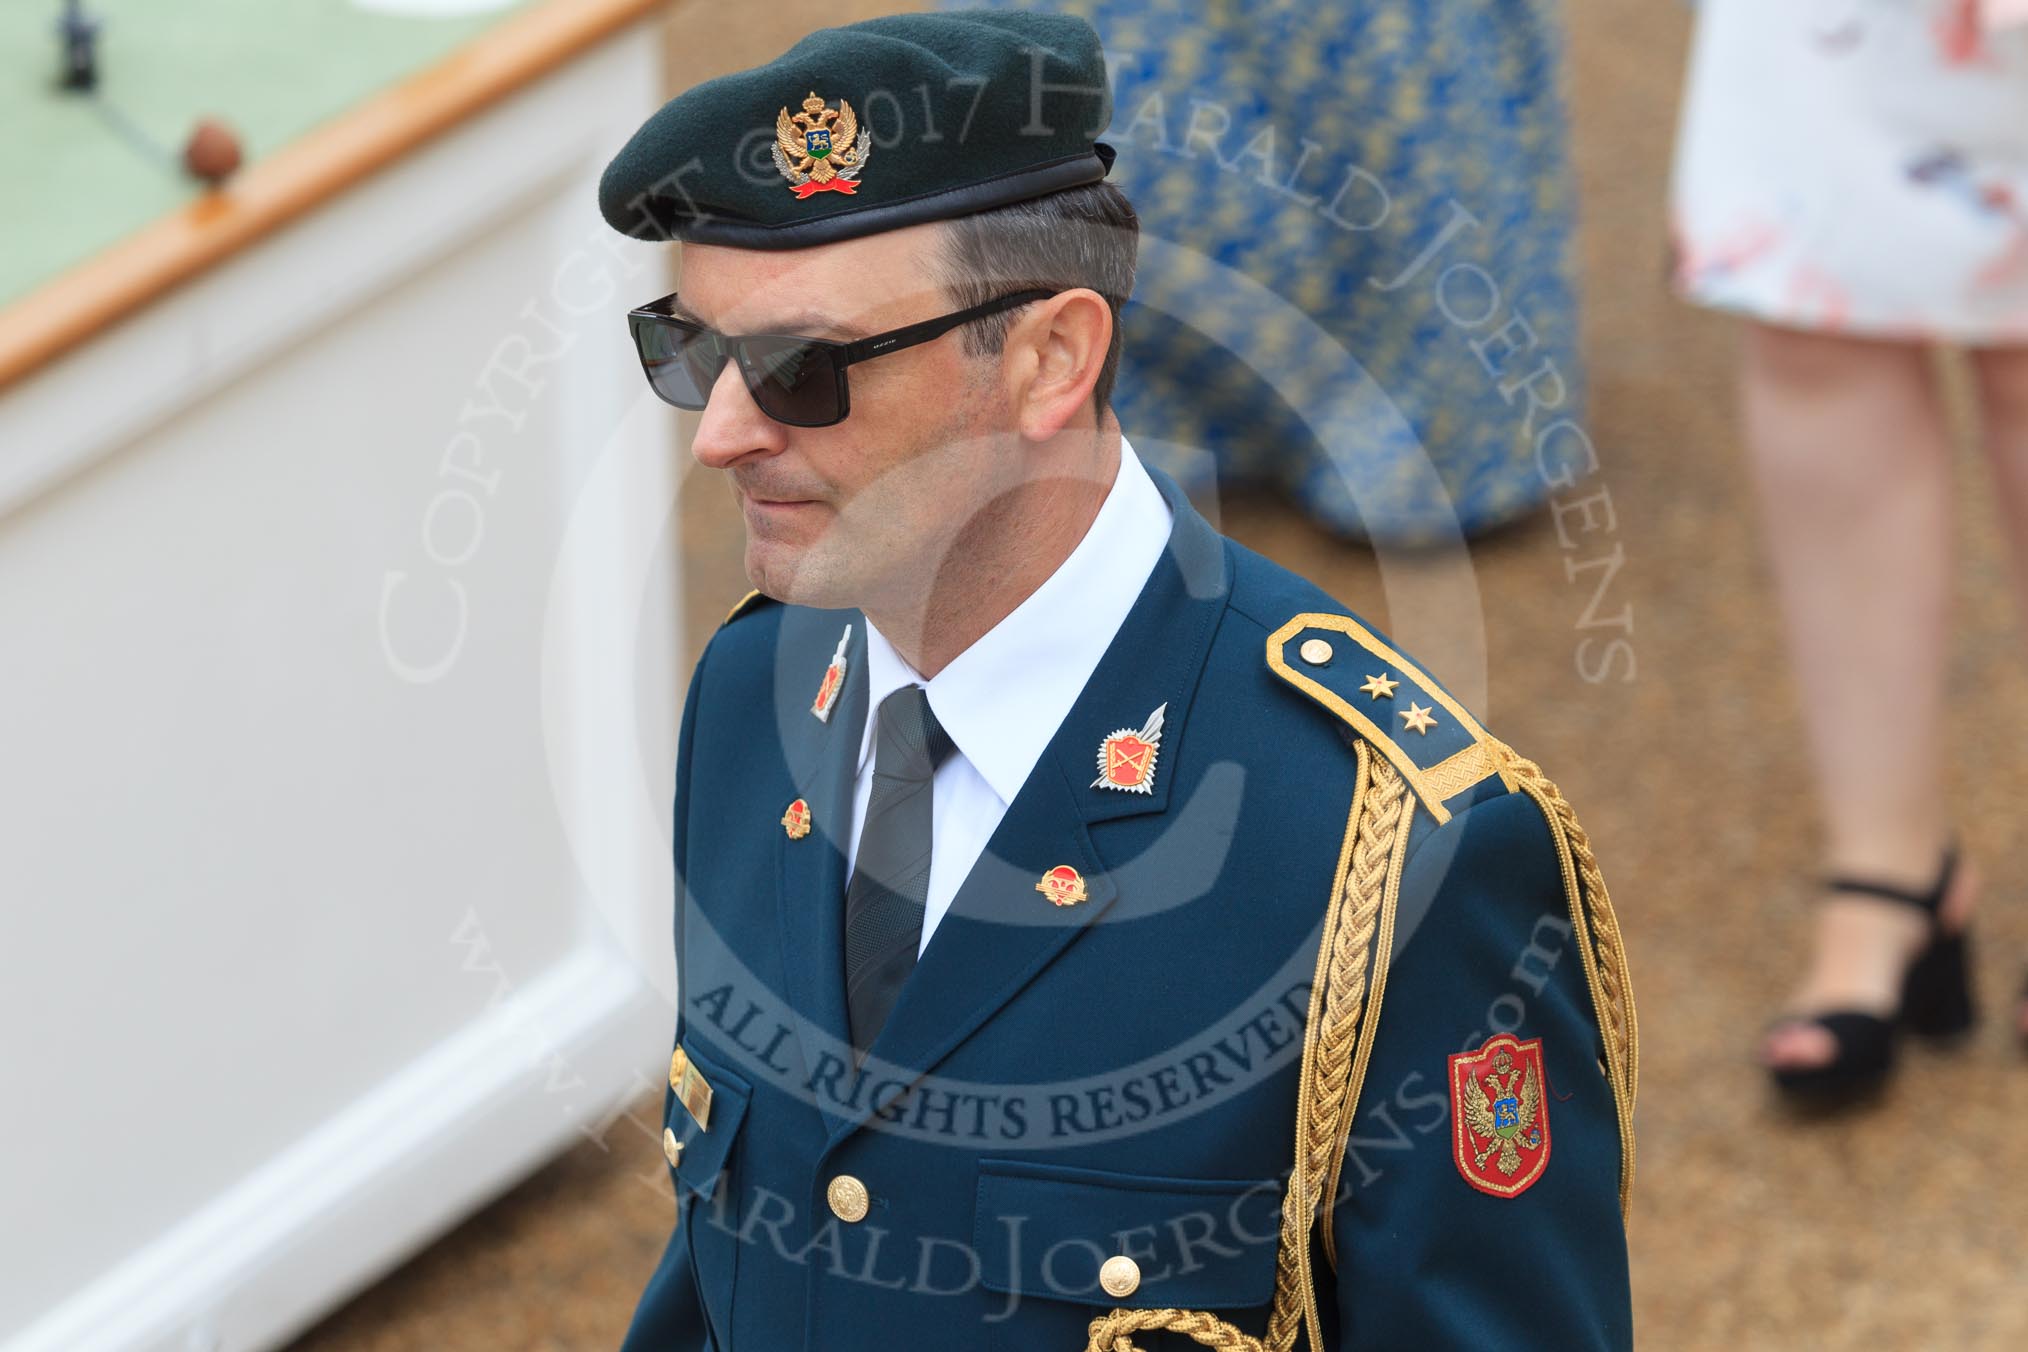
(1507, 1115)
(821, 149)
(1502, 1124)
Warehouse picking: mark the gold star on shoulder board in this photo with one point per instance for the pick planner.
(1417, 719)
(1381, 686)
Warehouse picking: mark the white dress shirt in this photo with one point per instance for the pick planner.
(1002, 699)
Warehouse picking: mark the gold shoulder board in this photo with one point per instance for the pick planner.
(745, 603)
(1438, 747)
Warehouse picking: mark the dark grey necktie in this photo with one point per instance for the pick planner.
(890, 874)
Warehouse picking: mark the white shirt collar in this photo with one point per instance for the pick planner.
(1002, 699)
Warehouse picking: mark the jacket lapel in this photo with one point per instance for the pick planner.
(1001, 930)
(822, 758)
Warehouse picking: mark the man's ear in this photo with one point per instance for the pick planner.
(1057, 347)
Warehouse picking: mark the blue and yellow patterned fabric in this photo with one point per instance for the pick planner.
(1356, 278)
(1343, 918)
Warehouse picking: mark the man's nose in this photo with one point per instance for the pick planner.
(732, 426)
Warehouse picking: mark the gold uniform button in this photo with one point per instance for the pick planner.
(848, 1199)
(1121, 1275)
(671, 1147)
(1315, 651)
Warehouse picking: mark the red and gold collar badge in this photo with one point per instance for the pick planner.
(833, 681)
(1126, 759)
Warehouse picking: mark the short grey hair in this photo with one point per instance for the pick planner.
(1080, 237)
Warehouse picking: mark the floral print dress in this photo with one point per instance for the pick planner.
(1857, 167)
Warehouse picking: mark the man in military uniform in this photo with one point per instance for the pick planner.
(1090, 934)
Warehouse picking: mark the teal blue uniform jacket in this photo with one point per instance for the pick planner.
(1065, 1086)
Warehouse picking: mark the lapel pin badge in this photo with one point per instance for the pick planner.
(1126, 759)
(796, 821)
(1063, 885)
(833, 682)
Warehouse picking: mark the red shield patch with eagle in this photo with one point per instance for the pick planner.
(1499, 1115)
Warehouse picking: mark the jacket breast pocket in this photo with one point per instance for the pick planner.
(707, 1107)
(1065, 1244)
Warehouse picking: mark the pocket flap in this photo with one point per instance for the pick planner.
(704, 1148)
(1198, 1244)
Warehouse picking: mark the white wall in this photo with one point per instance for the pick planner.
(337, 714)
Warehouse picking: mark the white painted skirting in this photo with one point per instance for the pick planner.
(548, 1066)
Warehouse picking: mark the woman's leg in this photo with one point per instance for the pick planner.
(1851, 457)
(2003, 403)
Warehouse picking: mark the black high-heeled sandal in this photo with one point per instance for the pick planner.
(1936, 1003)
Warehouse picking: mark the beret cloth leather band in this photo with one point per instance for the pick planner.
(870, 127)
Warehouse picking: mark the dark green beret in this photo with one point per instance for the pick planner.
(876, 125)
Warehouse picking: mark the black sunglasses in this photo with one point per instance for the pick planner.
(798, 381)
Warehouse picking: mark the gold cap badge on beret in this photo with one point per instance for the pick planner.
(821, 149)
